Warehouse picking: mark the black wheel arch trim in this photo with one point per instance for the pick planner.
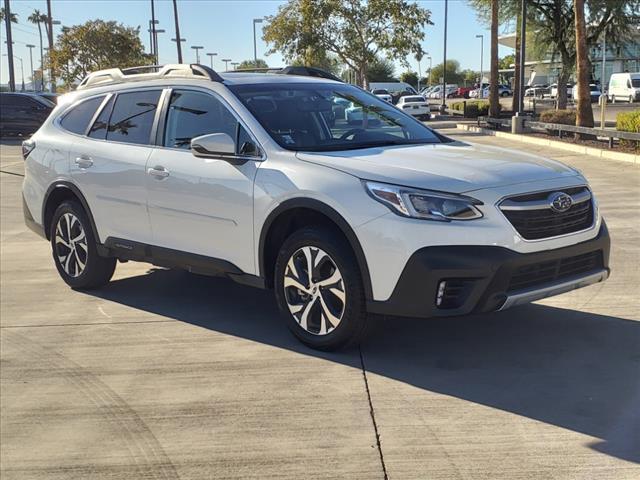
(335, 217)
(83, 201)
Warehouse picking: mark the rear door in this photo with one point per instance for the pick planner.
(108, 164)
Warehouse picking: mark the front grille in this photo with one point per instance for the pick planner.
(534, 219)
(538, 274)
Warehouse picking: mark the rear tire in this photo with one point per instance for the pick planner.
(324, 310)
(75, 251)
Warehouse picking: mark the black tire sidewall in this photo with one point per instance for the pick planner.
(98, 270)
(352, 323)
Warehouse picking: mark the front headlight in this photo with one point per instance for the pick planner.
(423, 204)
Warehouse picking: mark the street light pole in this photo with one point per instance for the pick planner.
(154, 39)
(226, 64)
(481, 37)
(33, 83)
(211, 55)
(179, 43)
(197, 48)
(158, 30)
(430, 65)
(235, 65)
(178, 38)
(255, 48)
(443, 106)
(7, 20)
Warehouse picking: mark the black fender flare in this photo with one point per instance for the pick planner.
(78, 194)
(335, 217)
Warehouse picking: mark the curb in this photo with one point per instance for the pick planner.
(594, 152)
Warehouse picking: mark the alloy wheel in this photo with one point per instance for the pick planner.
(71, 245)
(314, 290)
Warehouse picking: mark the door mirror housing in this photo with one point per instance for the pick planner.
(213, 145)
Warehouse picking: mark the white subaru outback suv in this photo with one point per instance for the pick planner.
(254, 177)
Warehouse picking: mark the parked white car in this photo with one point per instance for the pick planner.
(415, 105)
(240, 175)
(382, 94)
(503, 91)
(553, 90)
(594, 92)
(437, 91)
(624, 87)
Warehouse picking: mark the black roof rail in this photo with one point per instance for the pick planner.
(309, 72)
(206, 72)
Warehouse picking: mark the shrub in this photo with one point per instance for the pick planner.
(475, 108)
(563, 117)
(629, 122)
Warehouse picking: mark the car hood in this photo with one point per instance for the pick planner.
(455, 167)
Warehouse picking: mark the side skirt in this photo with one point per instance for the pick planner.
(166, 257)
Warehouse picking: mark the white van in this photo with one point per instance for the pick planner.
(625, 87)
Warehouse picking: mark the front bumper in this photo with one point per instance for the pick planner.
(486, 278)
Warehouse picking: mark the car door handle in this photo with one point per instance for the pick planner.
(158, 172)
(83, 161)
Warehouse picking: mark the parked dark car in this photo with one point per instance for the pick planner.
(22, 113)
(52, 97)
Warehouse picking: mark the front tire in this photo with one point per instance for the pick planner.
(318, 288)
(74, 248)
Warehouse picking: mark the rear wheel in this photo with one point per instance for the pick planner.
(75, 251)
(319, 289)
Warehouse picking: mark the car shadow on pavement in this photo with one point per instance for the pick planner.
(573, 369)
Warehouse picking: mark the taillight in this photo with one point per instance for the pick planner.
(27, 148)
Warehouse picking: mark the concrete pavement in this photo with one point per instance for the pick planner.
(163, 374)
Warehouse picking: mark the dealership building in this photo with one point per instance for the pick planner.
(624, 58)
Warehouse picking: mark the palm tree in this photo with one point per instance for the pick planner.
(14, 16)
(494, 101)
(38, 18)
(584, 112)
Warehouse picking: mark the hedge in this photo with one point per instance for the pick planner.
(475, 108)
(629, 122)
(563, 117)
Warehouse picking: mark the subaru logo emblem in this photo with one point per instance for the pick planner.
(560, 202)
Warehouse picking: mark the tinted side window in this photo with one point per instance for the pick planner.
(19, 101)
(192, 114)
(132, 117)
(77, 120)
(99, 127)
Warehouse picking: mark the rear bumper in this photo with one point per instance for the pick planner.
(486, 278)
(30, 222)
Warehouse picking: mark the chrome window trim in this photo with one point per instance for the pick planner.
(596, 214)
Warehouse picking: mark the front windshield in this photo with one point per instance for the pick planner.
(323, 117)
(635, 82)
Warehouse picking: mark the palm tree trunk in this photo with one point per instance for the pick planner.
(561, 95)
(517, 88)
(584, 113)
(494, 101)
(41, 58)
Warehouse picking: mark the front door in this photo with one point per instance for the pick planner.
(197, 205)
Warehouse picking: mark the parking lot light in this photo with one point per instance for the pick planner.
(481, 37)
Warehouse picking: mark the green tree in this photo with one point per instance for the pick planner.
(96, 45)
(469, 77)
(409, 77)
(506, 61)
(381, 70)
(314, 57)
(246, 64)
(453, 73)
(356, 31)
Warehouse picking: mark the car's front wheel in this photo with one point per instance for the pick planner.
(319, 289)
(75, 251)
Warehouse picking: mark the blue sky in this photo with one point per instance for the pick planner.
(225, 27)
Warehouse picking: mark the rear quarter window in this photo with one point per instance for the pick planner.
(77, 119)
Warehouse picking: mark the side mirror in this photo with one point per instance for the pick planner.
(213, 145)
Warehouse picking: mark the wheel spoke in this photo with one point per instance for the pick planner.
(327, 315)
(79, 237)
(78, 261)
(293, 282)
(66, 264)
(62, 241)
(306, 251)
(304, 317)
(338, 293)
(333, 279)
(83, 245)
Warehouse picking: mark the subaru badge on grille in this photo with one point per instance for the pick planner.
(560, 202)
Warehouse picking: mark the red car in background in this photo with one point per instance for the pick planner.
(461, 92)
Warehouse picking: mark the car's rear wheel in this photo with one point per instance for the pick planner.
(75, 251)
(319, 289)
